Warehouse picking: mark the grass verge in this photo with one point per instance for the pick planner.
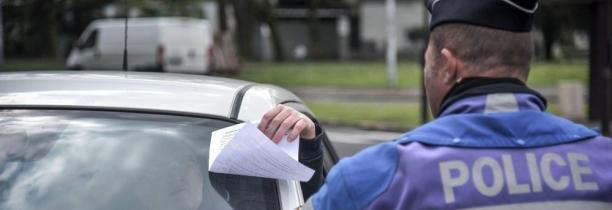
(32, 64)
(373, 74)
(344, 74)
(378, 116)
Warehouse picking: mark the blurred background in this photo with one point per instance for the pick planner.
(356, 63)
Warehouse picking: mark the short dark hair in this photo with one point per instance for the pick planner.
(483, 48)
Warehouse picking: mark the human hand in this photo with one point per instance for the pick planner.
(279, 120)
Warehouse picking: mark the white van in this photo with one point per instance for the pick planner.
(160, 44)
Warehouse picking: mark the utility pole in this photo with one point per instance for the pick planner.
(391, 44)
(1, 36)
(599, 63)
(599, 32)
(607, 78)
(125, 36)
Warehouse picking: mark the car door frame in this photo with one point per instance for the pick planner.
(251, 102)
(330, 158)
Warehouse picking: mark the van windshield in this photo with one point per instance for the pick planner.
(60, 159)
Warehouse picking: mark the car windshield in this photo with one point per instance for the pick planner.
(54, 159)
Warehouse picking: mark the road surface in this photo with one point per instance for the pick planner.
(347, 141)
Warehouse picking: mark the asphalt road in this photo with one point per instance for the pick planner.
(348, 141)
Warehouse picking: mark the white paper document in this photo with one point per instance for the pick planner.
(244, 150)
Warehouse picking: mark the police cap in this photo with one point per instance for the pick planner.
(510, 15)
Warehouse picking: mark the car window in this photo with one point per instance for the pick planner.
(91, 40)
(109, 160)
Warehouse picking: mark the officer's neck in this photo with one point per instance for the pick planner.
(484, 85)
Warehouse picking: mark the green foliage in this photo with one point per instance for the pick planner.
(155, 8)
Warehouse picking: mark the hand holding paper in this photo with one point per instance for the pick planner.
(282, 119)
(244, 150)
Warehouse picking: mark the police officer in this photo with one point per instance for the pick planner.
(492, 146)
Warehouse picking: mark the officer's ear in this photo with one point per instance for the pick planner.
(451, 64)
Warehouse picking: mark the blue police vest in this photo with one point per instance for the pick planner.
(491, 151)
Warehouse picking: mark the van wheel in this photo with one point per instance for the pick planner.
(75, 68)
(159, 68)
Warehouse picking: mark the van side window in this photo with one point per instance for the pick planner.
(91, 40)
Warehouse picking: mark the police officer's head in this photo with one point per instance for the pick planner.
(469, 38)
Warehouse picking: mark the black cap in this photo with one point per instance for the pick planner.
(510, 15)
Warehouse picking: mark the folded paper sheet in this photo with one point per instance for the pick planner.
(244, 150)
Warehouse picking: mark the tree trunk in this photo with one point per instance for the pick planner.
(222, 15)
(1, 36)
(549, 33)
(355, 25)
(245, 26)
(270, 19)
(47, 31)
(598, 57)
(550, 30)
(224, 58)
(314, 29)
(548, 45)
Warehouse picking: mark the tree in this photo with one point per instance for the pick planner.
(249, 14)
(222, 15)
(183, 8)
(32, 27)
(267, 15)
(556, 20)
(245, 26)
(1, 36)
(314, 29)
(547, 20)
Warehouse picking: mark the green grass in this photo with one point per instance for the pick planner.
(553, 108)
(344, 74)
(373, 74)
(330, 74)
(32, 64)
(544, 74)
(387, 116)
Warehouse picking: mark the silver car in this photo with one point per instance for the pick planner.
(126, 140)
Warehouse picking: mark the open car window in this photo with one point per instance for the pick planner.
(60, 159)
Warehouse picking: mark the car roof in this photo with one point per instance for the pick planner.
(155, 92)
